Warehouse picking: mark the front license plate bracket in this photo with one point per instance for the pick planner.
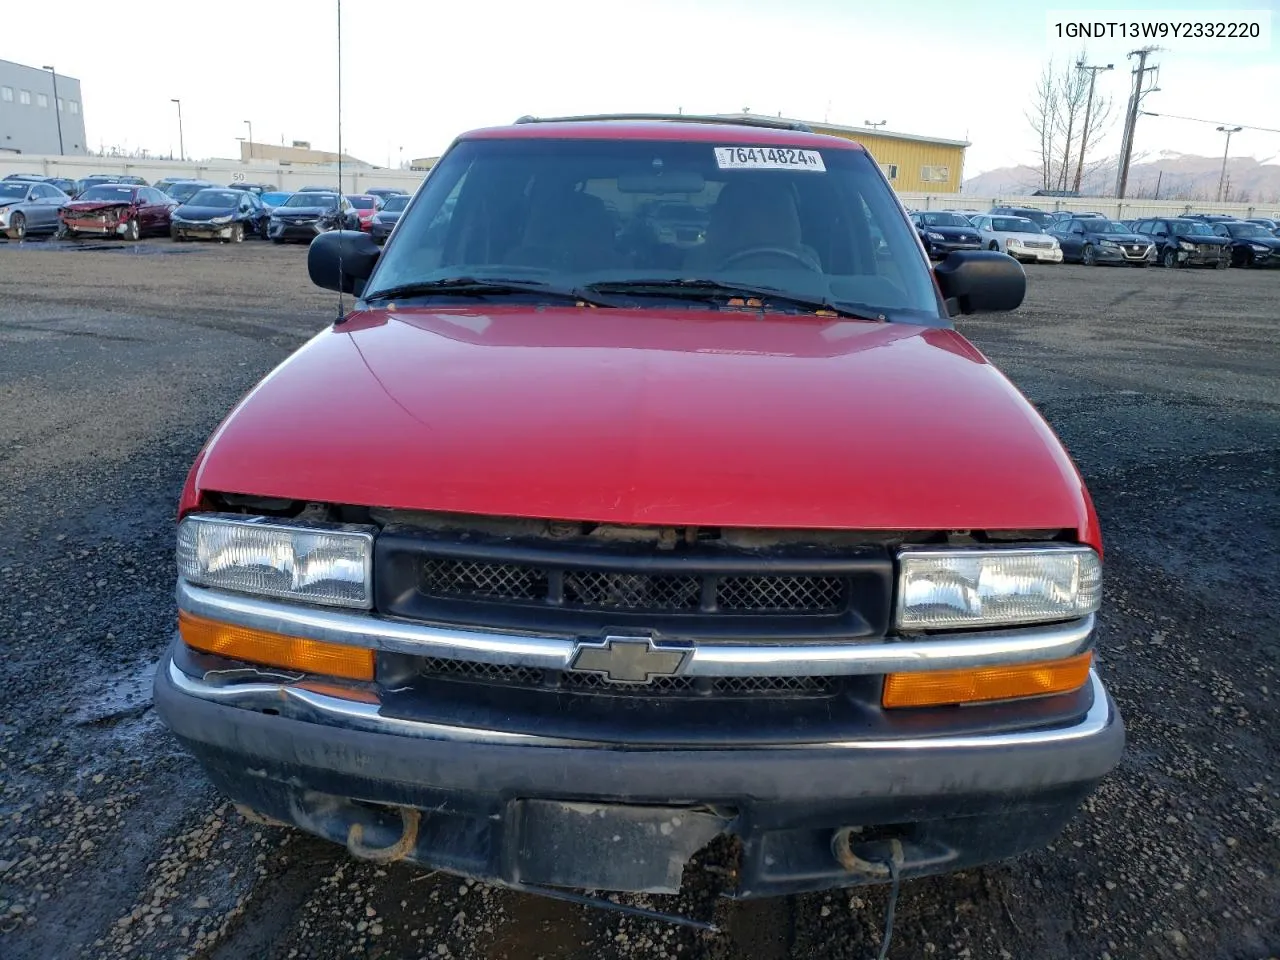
(593, 846)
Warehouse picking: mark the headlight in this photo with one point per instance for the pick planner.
(1183, 245)
(955, 588)
(1259, 247)
(226, 219)
(1013, 242)
(326, 564)
(1107, 243)
(935, 236)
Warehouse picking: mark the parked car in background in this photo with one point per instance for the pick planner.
(84, 183)
(365, 206)
(219, 213)
(309, 213)
(184, 190)
(1019, 238)
(943, 232)
(1096, 240)
(385, 219)
(1040, 218)
(29, 208)
(274, 198)
(1181, 242)
(1252, 245)
(1209, 217)
(383, 193)
(117, 209)
(316, 190)
(65, 184)
(1273, 226)
(255, 188)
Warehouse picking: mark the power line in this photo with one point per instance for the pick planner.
(1242, 126)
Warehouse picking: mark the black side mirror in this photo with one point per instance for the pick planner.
(981, 281)
(342, 260)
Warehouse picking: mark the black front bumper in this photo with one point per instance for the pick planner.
(602, 818)
(938, 249)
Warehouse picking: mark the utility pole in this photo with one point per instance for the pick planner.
(1088, 110)
(1131, 115)
(1222, 177)
(57, 107)
(249, 124)
(1159, 178)
(182, 147)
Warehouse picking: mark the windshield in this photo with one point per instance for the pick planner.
(1035, 216)
(363, 203)
(122, 193)
(809, 224)
(1192, 228)
(943, 220)
(14, 188)
(185, 191)
(1093, 225)
(312, 200)
(1245, 230)
(1013, 225)
(395, 204)
(215, 198)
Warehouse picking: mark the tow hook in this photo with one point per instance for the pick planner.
(891, 869)
(409, 817)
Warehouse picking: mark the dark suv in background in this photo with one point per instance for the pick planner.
(1181, 242)
(1252, 245)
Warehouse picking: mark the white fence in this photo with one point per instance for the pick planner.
(1116, 209)
(284, 176)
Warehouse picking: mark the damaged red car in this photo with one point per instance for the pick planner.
(122, 210)
(582, 550)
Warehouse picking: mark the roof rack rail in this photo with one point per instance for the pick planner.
(768, 122)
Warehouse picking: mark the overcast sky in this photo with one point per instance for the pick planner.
(417, 73)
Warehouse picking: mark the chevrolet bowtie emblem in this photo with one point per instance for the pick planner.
(629, 659)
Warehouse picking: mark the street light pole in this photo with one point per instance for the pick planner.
(57, 111)
(182, 147)
(1088, 110)
(249, 124)
(1222, 177)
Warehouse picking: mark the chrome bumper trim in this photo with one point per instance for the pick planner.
(360, 629)
(306, 705)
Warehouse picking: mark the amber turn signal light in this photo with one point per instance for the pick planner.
(943, 687)
(274, 649)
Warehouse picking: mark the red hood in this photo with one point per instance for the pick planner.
(663, 418)
(89, 206)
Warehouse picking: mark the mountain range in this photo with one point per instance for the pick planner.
(1178, 176)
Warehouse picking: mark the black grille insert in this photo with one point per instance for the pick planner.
(631, 590)
(573, 681)
(579, 587)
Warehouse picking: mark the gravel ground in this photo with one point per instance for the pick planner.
(116, 362)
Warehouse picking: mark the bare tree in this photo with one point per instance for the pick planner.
(1043, 117)
(1059, 105)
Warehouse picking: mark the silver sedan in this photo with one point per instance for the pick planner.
(29, 207)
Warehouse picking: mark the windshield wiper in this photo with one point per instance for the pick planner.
(703, 289)
(483, 287)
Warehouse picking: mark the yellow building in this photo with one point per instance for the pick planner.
(913, 164)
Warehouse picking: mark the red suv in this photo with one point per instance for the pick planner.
(620, 540)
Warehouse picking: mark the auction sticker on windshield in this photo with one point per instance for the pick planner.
(769, 158)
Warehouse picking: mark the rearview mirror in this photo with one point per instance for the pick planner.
(981, 281)
(342, 260)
